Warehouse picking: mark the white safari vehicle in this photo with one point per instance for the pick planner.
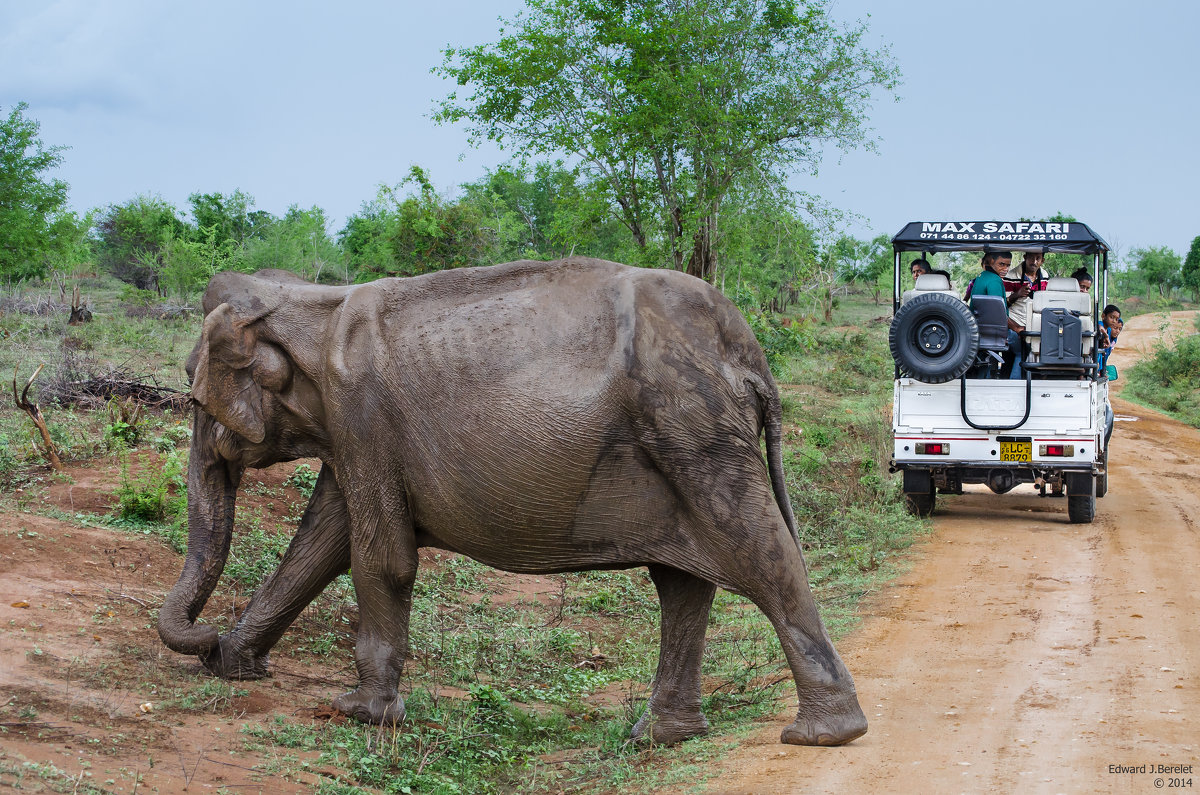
(954, 420)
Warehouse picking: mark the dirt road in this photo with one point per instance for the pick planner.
(1022, 653)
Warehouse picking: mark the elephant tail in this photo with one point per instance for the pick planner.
(772, 422)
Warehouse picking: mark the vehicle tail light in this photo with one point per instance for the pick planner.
(933, 448)
(1057, 450)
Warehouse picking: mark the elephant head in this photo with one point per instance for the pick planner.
(254, 405)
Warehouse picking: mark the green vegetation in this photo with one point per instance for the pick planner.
(634, 89)
(535, 690)
(38, 234)
(1169, 379)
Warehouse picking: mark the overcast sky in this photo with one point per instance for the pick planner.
(1022, 108)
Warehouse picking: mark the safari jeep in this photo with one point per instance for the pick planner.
(954, 419)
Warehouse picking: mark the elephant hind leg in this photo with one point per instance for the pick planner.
(383, 556)
(745, 546)
(674, 710)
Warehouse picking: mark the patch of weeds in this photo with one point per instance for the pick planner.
(9, 462)
(213, 695)
(156, 495)
(628, 594)
(255, 552)
(36, 775)
(124, 429)
(1169, 379)
(781, 338)
(172, 436)
(303, 480)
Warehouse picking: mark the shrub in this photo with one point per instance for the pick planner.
(156, 495)
(1170, 379)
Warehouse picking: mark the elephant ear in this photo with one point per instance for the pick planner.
(235, 372)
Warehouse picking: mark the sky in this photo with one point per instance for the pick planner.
(1018, 109)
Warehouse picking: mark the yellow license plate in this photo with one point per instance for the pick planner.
(1016, 451)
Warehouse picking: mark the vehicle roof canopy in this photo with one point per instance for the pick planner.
(1065, 237)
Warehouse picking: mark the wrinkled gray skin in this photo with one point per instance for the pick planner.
(538, 417)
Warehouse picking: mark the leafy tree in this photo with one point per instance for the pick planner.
(1160, 267)
(770, 253)
(1190, 274)
(231, 217)
(33, 219)
(414, 234)
(131, 238)
(669, 105)
(183, 265)
(548, 212)
(877, 269)
(299, 242)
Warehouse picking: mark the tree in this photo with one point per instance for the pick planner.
(32, 206)
(414, 233)
(877, 271)
(299, 242)
(671, 104)
(230, 216)
(184, 265)
(546, 213)
(1158, 266)
(1190, 274)
(132, 236)
(770, 253)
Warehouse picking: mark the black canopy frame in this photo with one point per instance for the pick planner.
(1048, 237)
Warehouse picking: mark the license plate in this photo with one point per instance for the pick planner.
(1016, 451)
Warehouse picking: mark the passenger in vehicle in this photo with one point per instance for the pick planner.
(1029, 278)
(1084, 278)
(1110, 323)
(920, 266)
(990, 281)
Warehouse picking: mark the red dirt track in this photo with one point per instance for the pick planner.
(1022, 653)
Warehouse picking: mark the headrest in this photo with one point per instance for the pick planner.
(1064, 299)
(928, 282)
(1060, 284)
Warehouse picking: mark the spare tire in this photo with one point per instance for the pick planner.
(934, 338)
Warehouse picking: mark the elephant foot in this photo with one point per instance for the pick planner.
(828, 729)
(667, 728)
(229, 662)
(370, 708)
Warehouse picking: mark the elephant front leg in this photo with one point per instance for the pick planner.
(318, 554)
(383, 554)
(674, 711)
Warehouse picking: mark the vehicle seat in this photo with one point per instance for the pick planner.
(1064, 294)
(992, 317)
(928, 283)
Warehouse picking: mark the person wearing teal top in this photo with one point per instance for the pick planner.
(991, 282)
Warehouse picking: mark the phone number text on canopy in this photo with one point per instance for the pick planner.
(992, 230)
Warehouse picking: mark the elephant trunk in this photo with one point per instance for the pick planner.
(212, 489)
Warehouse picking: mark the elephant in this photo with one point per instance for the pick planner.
(539, 417)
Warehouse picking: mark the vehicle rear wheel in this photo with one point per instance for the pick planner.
(1081, 508)
(934, 338)
(1102, 480)
(920, 503)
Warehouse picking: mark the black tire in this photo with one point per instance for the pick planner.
(1081, 497)
(1102, 480)
(934, 338)
(920, 504)
(1081, 509)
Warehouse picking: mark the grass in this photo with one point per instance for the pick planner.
(536, 693)
(1169, 379)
